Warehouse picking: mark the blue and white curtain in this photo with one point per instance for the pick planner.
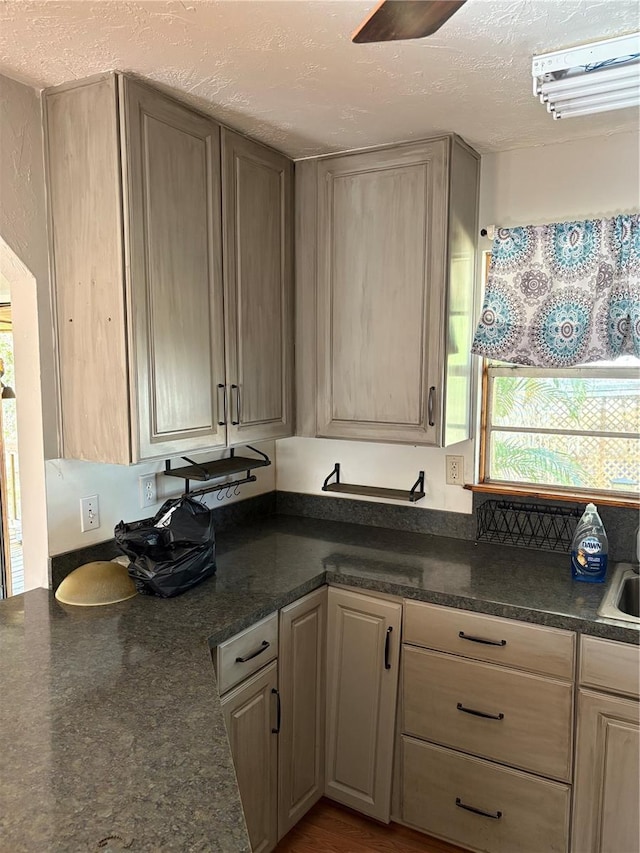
(564, 294)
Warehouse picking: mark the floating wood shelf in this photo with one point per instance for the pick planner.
(216, 469)
(414, 494)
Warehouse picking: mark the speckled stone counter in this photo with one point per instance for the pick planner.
(110, 721)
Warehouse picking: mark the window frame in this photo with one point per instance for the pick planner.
(491, 372)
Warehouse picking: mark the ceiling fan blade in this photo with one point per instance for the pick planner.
(393, 20)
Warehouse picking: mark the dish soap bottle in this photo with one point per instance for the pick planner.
(590, 547)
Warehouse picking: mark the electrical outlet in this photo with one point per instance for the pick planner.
(148, 490)
(89, 513)
(455, 470)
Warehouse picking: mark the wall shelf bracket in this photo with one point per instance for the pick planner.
(414, 494)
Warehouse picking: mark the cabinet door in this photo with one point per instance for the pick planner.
(382, 230)
(363, 647)
(301, 668)
(250, 716)
(257, 192)
(606, 815)
(85, 232)
(173, 244)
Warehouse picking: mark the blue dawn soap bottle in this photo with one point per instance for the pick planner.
(589, 548)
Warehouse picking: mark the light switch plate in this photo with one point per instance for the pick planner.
(89, 513)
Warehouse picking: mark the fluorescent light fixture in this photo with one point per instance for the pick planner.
(569, 111)
(591, 78)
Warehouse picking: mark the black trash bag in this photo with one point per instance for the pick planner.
(171, 552)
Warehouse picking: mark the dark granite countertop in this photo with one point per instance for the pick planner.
(110, 721)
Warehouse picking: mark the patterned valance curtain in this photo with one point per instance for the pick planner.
(564, 294)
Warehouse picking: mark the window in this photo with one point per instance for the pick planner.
(576, 429)
(571, 430)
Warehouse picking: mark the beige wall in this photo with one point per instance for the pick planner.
(527, 186)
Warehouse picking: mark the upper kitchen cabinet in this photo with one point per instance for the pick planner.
(136, 231)
(258, 270)
(386, 266)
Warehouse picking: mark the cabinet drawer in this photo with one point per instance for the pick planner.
(245, 653)
(549, 651)
(531, 717)
(530, 815)
(610, 666)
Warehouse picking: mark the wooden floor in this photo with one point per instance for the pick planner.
(329, 828)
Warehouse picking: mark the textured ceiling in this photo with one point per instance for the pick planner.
(287, 72)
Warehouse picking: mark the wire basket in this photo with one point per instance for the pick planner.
(529, 525)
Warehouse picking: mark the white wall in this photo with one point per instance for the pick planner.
(23, 258)
(584, 179)
(23, 226)
(303, 464)
(528, 186)
(117, 487)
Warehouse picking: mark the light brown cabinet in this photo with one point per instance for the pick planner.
(174, 261)
(516, 718)
(258, 268)
(157, 354)
(483, 743)
(606, 811)
(386, 262)
(482, 805)
(363, 650)
(250, 713)
(276, 717)
(302, 665)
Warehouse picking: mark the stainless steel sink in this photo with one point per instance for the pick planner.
(622, 600)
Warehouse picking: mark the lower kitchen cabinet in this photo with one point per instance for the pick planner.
(481, 805)
(251, 716)
(606, 811)
(363, 651)
(303, 626)
(275, 717)
(485, 731)
(487, 724)
(516, 718)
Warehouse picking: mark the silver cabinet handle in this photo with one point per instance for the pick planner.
(430, 405)
(236, 388)
(222, 388)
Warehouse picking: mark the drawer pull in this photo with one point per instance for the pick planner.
(492, 815)
(387, 648)
(471, 639)
(261, 648)
(276, 731)
(223, 388)
(430, 404)
(236, 388)
(475, 713)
